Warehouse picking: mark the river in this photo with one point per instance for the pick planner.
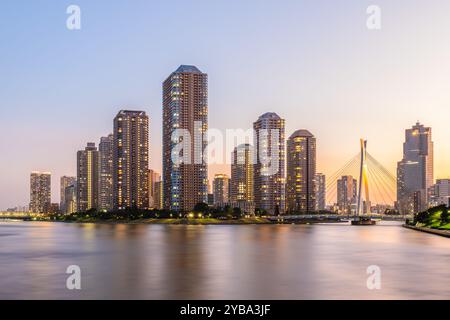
(327, 261)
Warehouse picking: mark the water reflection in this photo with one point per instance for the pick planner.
(221, 262)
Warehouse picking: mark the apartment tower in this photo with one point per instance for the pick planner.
(185, 122)
(130, 160)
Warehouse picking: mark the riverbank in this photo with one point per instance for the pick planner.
(442, 233)
(191, 221)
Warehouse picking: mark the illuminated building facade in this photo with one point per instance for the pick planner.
(301, 172)
(130, 160)
(87, 178)
(269, 168)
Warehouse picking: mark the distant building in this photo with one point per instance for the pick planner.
(105, 192)
(158, 195)
(241, 184)
(185, 109)
(210, 199)
(220, 188)
(54, 208)
(301, 172)
(416, 170)
(65, 181)
(247, 207)
(269, 168)
(321, 192)
(439, 193)
(70, 197)
(40, 192)
(130, 160)
(87, 178)
(346, 194)
(153, 178)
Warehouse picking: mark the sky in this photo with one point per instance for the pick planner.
(315, 63)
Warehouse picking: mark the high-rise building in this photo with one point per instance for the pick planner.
(87, 178)
(153, 178)
(346, 194)
(321, 191)
(65, 182)
(415, 172)
(130, 160)
(185, 122)
(40, 192)
(70, 205)
(105, 192)
(158, 195)
(269, 168)
(439, 193)
(220, 188)
(301, 172)
(242, 173)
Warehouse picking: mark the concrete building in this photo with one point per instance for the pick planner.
(221, 185)
(153, 178)
(65, 182)
(130, 160)
(269, 168)
(241, 184)
(70, 205)
(40, 192)
(185, 122)
(347, 194)
(158, 195)
(301, 172)
(415, 172)
(105, 193)
(87, 178)
(321, 192)
(439, 193)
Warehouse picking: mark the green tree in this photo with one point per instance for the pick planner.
(201, 207)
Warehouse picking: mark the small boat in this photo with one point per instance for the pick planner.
(361, 221)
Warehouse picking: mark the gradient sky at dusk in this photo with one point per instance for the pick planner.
(313, 62)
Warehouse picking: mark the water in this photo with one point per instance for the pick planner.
(221, 262)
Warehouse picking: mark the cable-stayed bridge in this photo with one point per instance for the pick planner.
(375, 184)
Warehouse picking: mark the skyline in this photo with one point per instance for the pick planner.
(74, 85)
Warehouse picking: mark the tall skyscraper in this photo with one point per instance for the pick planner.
(105, 153)
(415, 172)
(301, 172)
(153, 178)
(130, 160)
(269, 168)
(64, 183)
(242, 173)
(346, 194)
(321, 192)
(220, 188)
(185, 122)
(87, 178)
(40, 192)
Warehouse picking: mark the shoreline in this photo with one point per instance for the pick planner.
(194, 222)
(442, 233)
